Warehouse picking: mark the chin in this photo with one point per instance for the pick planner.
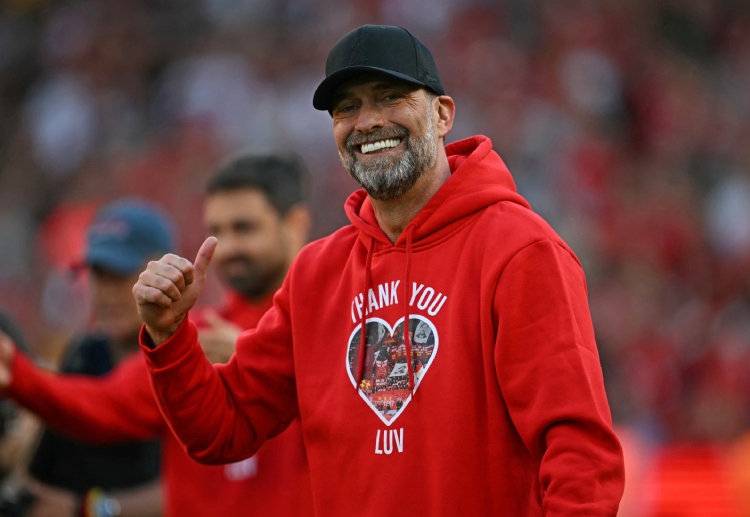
(243, 286)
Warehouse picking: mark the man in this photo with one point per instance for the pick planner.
(255, 204)
(122, 238)
(505, 414)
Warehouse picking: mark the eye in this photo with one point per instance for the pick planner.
(344, 109)
(244, 227)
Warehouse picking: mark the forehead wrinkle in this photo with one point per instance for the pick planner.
(375, 81)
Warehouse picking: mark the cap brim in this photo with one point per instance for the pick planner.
(323, 98)
(116, 261)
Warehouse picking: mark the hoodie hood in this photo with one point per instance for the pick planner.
(479, 178)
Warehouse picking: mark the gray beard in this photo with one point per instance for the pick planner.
(388, 177)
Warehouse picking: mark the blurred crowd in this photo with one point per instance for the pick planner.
(624, 123)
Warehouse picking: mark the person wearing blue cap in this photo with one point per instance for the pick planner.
(123, 236)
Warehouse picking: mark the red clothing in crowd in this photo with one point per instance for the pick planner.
(121, 407)
(508, 415)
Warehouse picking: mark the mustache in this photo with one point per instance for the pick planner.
(379, 134)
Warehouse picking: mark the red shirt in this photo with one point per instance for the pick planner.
(121, 407)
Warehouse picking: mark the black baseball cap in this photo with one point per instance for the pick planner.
(378, 48)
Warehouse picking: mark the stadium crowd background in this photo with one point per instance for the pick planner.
(625, 123)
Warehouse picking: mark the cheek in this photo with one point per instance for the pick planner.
(122, 302)
(249, 245)
(340, 135)
(231, 245)
(221, 251)
(269, 245)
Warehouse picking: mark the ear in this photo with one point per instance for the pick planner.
(445, 112)
(296, 223)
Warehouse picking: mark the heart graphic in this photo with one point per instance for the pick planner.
(385, 381)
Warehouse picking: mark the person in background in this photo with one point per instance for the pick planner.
(69, 476)
(19, 431)
(504, 409)
(256, 205)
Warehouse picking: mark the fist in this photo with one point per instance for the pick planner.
(169, 288)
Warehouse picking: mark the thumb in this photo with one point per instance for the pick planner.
(203, 259)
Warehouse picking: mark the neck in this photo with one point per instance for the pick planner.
(394, 215)
(124, 346)
(257, 298)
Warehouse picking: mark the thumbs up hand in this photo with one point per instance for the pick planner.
(169, 288)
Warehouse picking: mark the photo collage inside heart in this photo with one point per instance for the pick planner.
(385, 381)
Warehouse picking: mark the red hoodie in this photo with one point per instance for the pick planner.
(501, 411)
(121, 407)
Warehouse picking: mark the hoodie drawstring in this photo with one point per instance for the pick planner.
(407, 292)
(363, 332)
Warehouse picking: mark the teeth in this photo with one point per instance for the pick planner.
(382, 144)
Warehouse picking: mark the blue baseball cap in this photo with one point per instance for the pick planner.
(127, 233)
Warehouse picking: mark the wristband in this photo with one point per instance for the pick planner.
(97, 503)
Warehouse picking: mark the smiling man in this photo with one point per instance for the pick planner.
(446, 284)
(392, 158)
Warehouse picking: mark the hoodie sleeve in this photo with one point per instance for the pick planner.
(114, 408)
(224, 413)
(550, 376)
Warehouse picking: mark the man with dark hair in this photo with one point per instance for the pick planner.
(275, 185)
(511, 417)
(256, 205)
(259, 240)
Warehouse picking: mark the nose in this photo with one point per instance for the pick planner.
(369, 116)
(224, 247)
(233, 244)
